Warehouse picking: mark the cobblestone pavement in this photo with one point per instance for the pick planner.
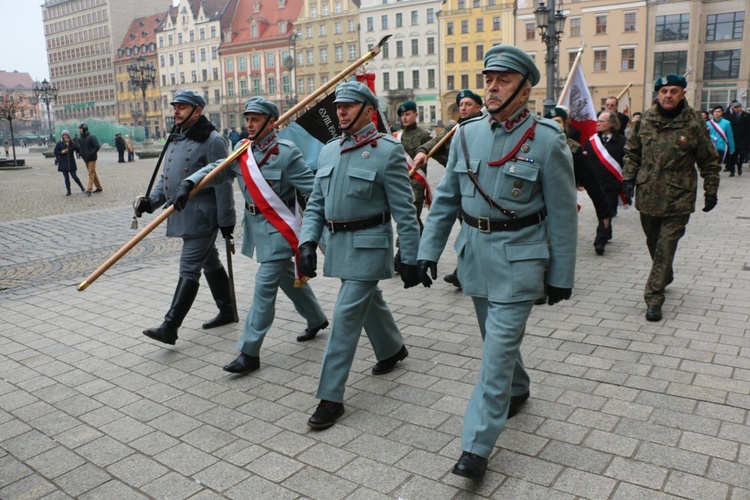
(620, 408)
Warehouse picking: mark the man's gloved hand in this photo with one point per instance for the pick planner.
(182, 195)
(226, 231)
(711, 201)
(555, 295)
(427, 265)
(628, 187)
(308, 259)
(142, 205)
(409, 275)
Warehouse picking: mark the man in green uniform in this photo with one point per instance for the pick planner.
(411, 137)
(660, 157)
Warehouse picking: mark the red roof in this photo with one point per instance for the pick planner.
(268, 14)
(213, 9)
(15, 80)
(142, 34)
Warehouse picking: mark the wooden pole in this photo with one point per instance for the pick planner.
(440, 144)
(627, 87)
(576, 62)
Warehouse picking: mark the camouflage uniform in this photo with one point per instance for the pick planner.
(411, 138)
(660, 155)
(441, 155)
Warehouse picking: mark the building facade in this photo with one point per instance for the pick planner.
(188, 50)
(324, 43)
(408, 67)
(31, 116)
(139, 48)
(469, 28)
(82, 37)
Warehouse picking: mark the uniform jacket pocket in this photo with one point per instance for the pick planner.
(518, 180)
(527, 262)
(324, 175)
(360, 183)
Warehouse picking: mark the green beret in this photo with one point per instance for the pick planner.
(262, 106)
(670, 80)
(189, 97)
(556, 111)
(354, 91)
(507, 58)
(468, 93)
(406, 106)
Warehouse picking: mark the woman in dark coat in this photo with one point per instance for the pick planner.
(66, 162)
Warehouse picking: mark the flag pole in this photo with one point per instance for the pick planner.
(114, 258)
(576, 62)
(627, 87)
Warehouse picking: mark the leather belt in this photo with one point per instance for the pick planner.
(254, 210)
(487, 225)
(335, 226)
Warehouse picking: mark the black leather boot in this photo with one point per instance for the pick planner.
(218, 282)
(184, 295)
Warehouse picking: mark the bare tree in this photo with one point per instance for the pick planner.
(10, 104)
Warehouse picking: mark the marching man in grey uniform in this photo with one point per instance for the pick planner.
(362, 182)
(278, 165)
(512, 176)
(193, 144)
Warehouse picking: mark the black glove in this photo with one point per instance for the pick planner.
(308, 259)
(555, 295)
(409, 275)
(226, 231)
(143, 205)
(427, 265)
(710, 203)
(628, 187)
(182, 195)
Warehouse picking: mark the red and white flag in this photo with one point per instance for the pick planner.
(582, 113)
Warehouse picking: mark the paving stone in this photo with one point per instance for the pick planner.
(185, 459)
(517, 488)
(137, 470)
(313, 483)
(689, 486)
(29, 444)
(104, 451)
(382, 450)
(635, 472)
(578, 457)
(673, 458)
(55, 462)
(420, 437)
(12, 470)
(257, 487)
(730, 473)
(207, 438)
(709, 445)
(584, 484)
(626, 491)
(611, 443)
(648, 432)
(31, 487)
(221, 476)
(523, 467)
(419, 487)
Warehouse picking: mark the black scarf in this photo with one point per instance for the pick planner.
(200, 131)
(671, 113)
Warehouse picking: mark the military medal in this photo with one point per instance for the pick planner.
(515, 193)
(365, 154)
(525, 148)
(273, 157)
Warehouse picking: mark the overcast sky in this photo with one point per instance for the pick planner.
(22, 38)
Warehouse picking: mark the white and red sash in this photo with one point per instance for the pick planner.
(612, 165)
(418, 176)
(288, 223)
(720, 131)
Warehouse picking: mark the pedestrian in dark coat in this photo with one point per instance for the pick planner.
(121, 147)
(66, 162)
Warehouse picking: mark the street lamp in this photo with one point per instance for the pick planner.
(550, 23)
(46, 93)
(293, 37)
(141, 76)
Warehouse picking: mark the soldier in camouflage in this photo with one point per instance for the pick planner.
(660, 158)
(412, 136)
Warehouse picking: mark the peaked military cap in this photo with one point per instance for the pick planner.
(355, 92)
(189, 97)
(670, 80)
(556, 111)
(468, 93)
(509, 58)
(406, 106)
(262, 106)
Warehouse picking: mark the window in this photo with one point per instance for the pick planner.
(192, 56)
(169, 39)
(430, 45)
(202, 34)
(666, 63)
(322, 30)
(386, 81)
(575, 26)
(721, 64)
(337, 28)
(480, 25)
(309, 56)
(414, 17)
(213, 31)
(338, 52)
(430, 78)
(338, 8)
(179, 38)
(480, 81)
(400, 48)
(326, 9)
(286, 84)
(496, 23)
(386, 51)
(725, 26)
(229, 65)
(600, 60)
(230, 88)
(271, 85)
(310, 85)
(464, 54)
(162, 61)
(384, 22)
(601, 25)
(350, 26)
(192, 36)
(300, 58)
(571, 59)
(179, 56)
(449, 28)
(204, 75)
(255, 61)
(399, 20)
(323, 55)
(476, 4)
(430, 16)
(370, 26)
(530, 31)
(256, 86)
(628, 59)
(314, 11)
(461, 4)
(629, 21)
(243, 88)
(217, 97)
(399, 80)
(352, 51)
(415, 78)
(479, 52)
(242, 63)
(254, 31)
(450, 83)
(216, 73)
(464, 26)
(449, 55)
(308, 32)
(464, 81)
(415, 47)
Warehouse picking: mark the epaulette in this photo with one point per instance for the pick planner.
(549, 123)
(388, 137)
